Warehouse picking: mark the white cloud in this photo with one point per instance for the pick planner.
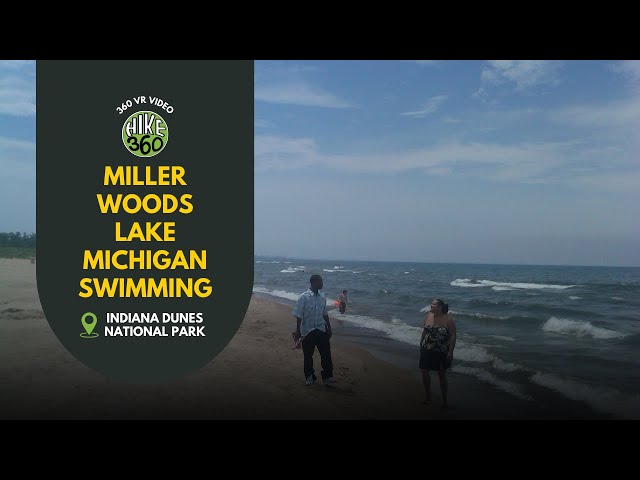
(525, 74)
(298, 94)
(17, 96)
(299, 68)
(430, 107)
(261, 123)
(527, 161)
(630, 69)
(16, 64)
(616, 114)
(560, 163)
(17, 160)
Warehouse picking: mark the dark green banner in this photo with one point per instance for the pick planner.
(145, 210)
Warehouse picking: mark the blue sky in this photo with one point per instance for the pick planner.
(531, 162)
(446, 161)
(17, 146)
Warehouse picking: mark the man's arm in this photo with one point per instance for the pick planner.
(298, 312)
(326, 319)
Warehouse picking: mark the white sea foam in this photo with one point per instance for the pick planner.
(476, 314)
(289, 295)
(338, 267)
(503, 337)
(297, 269)
(507, 366)
(509, 387)
(340, 270)
(579, 329)
(406, 273)
(278, 293)
(573, 297)
(501, 289)
(617, 298)
(472, 353)
(602, 399)
(467, 283)
(397, 329)
(264, 261)
(400, 331)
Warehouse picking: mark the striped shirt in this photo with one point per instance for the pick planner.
(311, 308)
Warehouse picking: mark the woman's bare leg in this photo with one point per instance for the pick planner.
(426, 381)
(443, 386)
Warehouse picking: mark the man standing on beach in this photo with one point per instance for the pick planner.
(315, 330)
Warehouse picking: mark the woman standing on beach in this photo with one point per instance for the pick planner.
(436, 347)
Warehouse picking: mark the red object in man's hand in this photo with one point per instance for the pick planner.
(297, 341)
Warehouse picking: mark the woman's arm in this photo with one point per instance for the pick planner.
(452, 341)
(424, 332)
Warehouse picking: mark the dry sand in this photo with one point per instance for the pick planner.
(257, 376)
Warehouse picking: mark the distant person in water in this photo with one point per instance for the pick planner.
(436, 347)
(315, 330)
(343, 300)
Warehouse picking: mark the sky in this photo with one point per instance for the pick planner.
(526, 162)
(17, 146)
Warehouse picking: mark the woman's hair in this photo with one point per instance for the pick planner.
(444, 306)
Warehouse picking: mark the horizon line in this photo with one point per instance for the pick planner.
(448, 262)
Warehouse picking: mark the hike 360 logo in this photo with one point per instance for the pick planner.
(145, 133)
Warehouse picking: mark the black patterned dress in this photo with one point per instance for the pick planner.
(434, 348)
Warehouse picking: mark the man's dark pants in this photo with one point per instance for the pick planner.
(317, 338)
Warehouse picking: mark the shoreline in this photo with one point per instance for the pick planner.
(257, 376)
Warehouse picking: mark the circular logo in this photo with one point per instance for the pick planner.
(145, 134)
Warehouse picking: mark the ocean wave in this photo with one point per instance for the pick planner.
(579, 329)
(397, 329)
(502, 289)
(573, 297)
(487, 377)
(503, 337)
(467, 283)
(617, 298)
(602, 399)
(264, 261)
(507, 366)
(475, 315)
(340, 270)
(400, 331)
(468, 352)
(297, 269)
(289, 295)
(278, 293)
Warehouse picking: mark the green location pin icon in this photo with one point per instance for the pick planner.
(89, 325)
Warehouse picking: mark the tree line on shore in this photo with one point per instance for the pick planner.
(17, 239)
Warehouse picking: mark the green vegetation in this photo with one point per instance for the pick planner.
(17, 245)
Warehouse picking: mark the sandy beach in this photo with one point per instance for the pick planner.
(257, 376)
